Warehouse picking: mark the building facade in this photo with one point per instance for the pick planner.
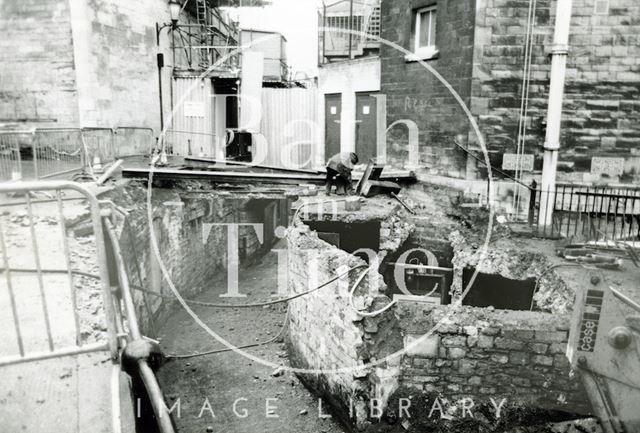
(84, 64)
(352, 111)
(495, 55)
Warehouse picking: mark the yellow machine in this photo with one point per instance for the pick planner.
(604, 348)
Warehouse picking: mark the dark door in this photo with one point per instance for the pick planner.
(333, 111)
(366, 126)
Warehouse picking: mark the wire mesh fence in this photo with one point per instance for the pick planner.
(49, 152)
(10, 161)
(55, 152)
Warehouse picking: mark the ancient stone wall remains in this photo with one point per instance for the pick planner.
(479, 353)
(328, 337)
(194, 258)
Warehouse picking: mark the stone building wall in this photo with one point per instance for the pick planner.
(37, 76)
(82, 63)
(600, 114)
(479, 353)
(116, 61)
(415, 94)
(482, 53)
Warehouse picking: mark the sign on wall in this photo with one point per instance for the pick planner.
(510, 161)
(609, 166)
(194, 109)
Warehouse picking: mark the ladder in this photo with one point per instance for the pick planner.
(202, 19)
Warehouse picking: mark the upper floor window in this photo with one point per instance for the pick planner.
(425, 32)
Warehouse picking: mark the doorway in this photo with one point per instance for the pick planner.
(333, 113)
(366, 125)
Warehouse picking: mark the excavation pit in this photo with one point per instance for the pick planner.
(395, 335)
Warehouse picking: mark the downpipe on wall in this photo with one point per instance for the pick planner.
(554, 112)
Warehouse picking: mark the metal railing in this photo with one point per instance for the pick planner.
(49, 152)
(117, 301)
(38, 267)
(591, 212)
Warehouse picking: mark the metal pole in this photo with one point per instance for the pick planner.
(350, 29)
(554, 112)
(324, 33)
(160, 60)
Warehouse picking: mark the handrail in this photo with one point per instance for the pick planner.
(147, 375)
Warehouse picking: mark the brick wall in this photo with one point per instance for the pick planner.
(480, 353)
(601, 112)
(37, 77)
(413, 93)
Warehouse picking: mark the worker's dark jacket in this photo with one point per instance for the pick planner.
(341, 163)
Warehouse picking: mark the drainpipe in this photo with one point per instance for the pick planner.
(351, 30)
(554, 113)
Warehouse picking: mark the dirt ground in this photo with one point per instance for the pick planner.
(70, 394)
(18, 239)
(227, 377)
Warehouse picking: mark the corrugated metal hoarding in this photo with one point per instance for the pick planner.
(191, 127)
(290, 126)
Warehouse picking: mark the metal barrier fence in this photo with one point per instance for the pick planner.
(30, 266)
(42, 312)
(48, 152)
(590, 212)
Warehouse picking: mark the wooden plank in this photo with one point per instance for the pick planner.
(224, 177)
(249, 165)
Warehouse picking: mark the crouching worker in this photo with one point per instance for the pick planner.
(339, 170)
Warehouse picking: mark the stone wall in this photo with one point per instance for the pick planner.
(328, 338)
(195, 260)
(601, 112)
(479, 353)
(415, 94)
(82, 63)
(37, 76)
(482, 54)
(115, 46)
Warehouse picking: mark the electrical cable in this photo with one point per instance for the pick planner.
(524, 102)
(200, 303)
(489, 165)
(226, 349)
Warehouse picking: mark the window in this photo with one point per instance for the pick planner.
(424, 37)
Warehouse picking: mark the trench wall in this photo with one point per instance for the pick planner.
(475, 353)
(195, 258)
(326, 335)
(479, 353)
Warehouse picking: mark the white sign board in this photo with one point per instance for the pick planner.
(513, 161)
(608, 166)
(194, 109)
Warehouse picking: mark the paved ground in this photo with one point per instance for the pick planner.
(224, 378)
